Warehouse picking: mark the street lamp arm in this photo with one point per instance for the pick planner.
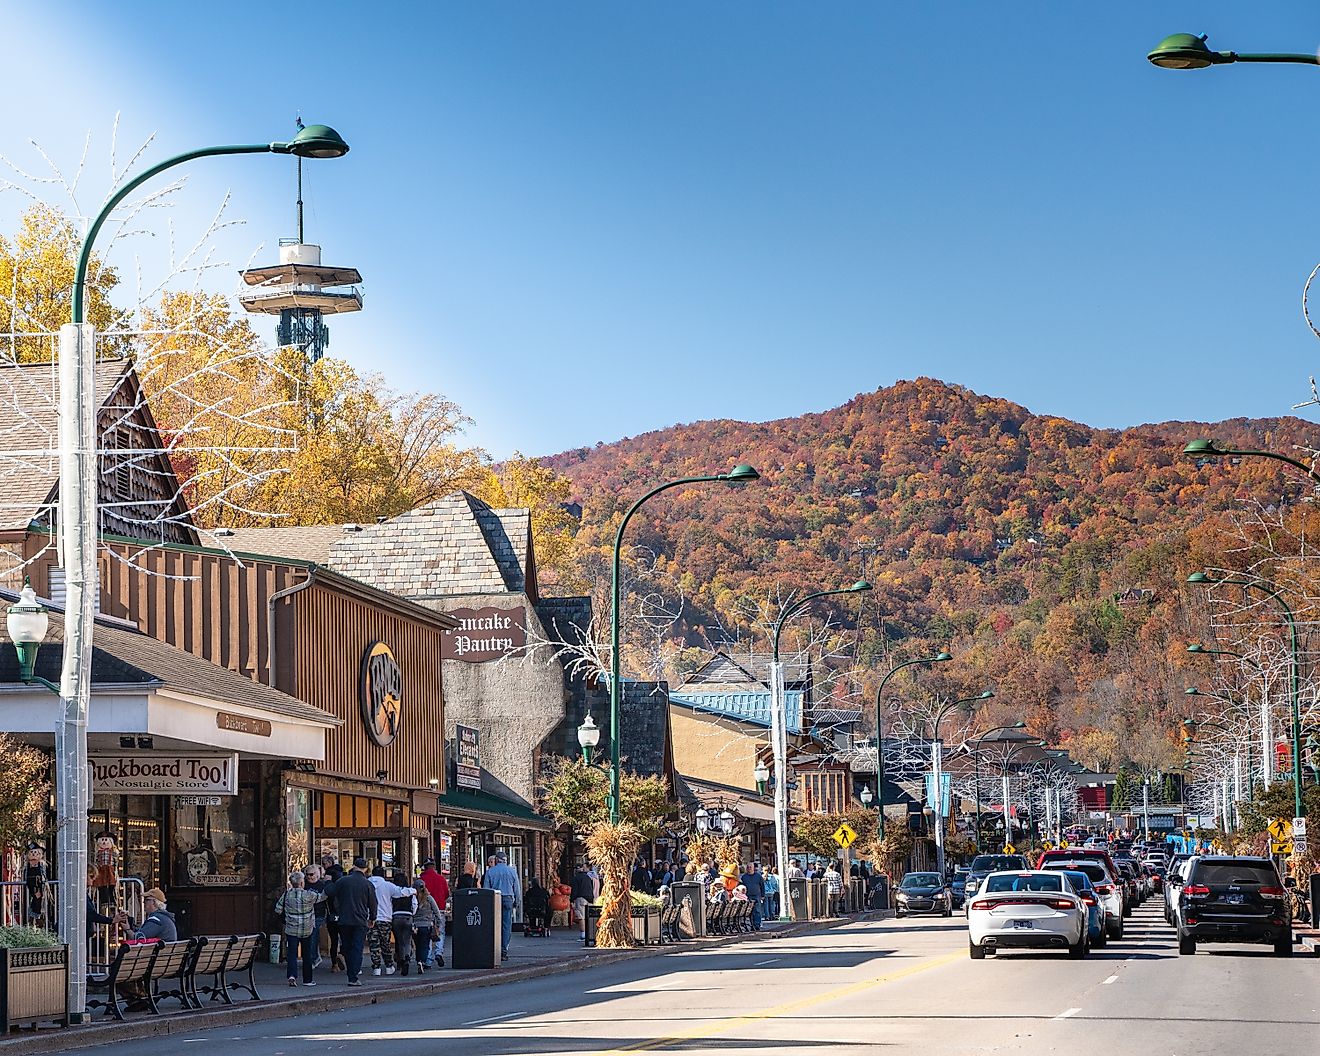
(85, 255)
(1209, 449)
(798, 606)
(1275, 56)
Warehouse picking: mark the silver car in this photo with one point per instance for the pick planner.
(1108, 887)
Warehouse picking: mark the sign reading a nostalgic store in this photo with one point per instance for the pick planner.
(380, 694)
(483, 634)
(164, 774)
(226, 720)
(467, 757)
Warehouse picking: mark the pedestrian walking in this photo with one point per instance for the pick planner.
(468, 877)
(315, 880)
(298, 907)
(438, 887)
(501, 877)
(641, 878)
(428, 922)
(795, 870)
(754, 883)
(771, 882)
(334, 872)
(402, 907)
(355, 905)
(381, 928)
(833, 887)
(582, 893)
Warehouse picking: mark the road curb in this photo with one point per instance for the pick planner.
(108, 1033)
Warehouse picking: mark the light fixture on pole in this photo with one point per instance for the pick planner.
(27, 622)
(588, 735)
(1189, 51)
(760, 774)
(703, 820)
(779, 727)
(77, 522)
(726, 822)
(866, 795)
(739, 474)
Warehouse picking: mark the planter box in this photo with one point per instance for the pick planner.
(645, 925)
(34, 985)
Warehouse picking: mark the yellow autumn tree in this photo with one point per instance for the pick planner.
(526, 483)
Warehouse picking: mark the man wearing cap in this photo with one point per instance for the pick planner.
(158, 922)
(355, 902)
(501, 877)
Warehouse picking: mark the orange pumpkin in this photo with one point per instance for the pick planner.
(559, 900)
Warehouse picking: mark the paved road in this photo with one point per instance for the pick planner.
(903, 986)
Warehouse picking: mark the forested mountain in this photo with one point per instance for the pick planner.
(1001, 534)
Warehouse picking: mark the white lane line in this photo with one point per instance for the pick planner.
(1111, 979)
(1067, 1012)
(770, 961)
(492, 1019)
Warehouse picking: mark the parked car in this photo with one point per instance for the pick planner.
(1173, 879)
(1127, 870)
(1032, 909)
(1088, 853)
(923, 893)
(1234, 898)
(1105, 885)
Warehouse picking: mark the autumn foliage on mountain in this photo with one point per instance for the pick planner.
(1048, 556)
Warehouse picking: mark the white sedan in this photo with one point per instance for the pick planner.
(1030, 909)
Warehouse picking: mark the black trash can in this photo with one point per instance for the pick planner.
(878, 897)
(797, 898)
(476, 928)
(691, 897)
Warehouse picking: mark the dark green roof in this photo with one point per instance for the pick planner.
(495, 807)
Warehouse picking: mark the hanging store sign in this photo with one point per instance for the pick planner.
(483, 634)
(380, 694)
(226, 720)
(164, 774)
(467, 757)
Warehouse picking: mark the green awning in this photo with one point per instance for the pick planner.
(483, 806)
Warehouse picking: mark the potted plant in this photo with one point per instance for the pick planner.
(34, 977)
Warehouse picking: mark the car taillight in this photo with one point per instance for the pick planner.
(1062, 903)
(982, 904)
(1105, 889)
(1195, 889)
(1272, 892)
(1090, 900)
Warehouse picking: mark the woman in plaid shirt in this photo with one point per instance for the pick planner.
(298, 906)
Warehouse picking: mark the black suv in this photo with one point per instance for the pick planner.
(1231, 898)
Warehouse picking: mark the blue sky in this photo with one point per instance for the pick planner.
(583, 221)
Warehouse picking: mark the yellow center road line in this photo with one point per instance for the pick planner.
(723, 1026)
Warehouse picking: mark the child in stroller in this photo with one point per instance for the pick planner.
(536, 910)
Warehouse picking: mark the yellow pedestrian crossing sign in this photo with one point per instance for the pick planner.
(844, 836)
(1281, 829)
(1009, 849)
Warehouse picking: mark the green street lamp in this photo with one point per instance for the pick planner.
(588, 735)
(1212, 449)
(1188, 51)
(779, 728)
(1201, 579)
(938, 658)
(78, 521)
(27, 622)
(739, 474)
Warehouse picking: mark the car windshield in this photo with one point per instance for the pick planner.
(989, 863)
(1078, 879)
(1096, 873)
(1023, 882)
(921, 880)
(1235, 873)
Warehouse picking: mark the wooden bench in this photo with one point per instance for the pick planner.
(669, 918)
(173, 963)
(242, 955)
(131, 965)
(717, 914)
(209, 958)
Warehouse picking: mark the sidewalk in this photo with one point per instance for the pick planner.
(528, 958)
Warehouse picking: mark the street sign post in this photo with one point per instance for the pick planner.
(1280, 829)
(844, 836)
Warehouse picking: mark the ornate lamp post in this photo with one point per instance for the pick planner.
(588, 735)
(77, 526)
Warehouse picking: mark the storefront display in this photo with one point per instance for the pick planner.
(212, 846)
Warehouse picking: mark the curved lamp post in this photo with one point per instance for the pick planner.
(1212, 449)
(937, 769)
(779, 728)
(1266, 735)
(938, 658)
(1201, 579)
(1188, 51)
(976, 771)
(740, 474)
(77, 524)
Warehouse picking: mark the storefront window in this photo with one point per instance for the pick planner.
(297, 828)
(212, 846)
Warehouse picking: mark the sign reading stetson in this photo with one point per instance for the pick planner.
(165, 774)
(380, 693)
(483, 634)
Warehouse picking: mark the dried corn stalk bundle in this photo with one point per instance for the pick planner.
(613, 848)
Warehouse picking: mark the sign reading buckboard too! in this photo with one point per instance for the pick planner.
(483, 634)
(164, 774)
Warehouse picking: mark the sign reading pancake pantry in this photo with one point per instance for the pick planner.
(483, 634)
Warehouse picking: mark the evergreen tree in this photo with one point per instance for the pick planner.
(1122, 789)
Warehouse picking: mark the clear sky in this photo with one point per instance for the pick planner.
(583, 221)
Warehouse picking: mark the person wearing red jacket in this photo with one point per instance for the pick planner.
(438, 886)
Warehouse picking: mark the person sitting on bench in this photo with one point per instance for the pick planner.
(536, 908)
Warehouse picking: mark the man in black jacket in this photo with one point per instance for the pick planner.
(355, 902)
(582, 892)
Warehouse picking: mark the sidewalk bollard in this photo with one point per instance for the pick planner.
(276, 953)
